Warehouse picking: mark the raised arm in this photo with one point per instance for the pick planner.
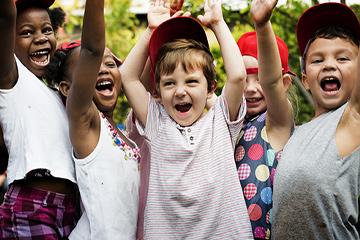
(134, 64)
(234, 66)
(8, 72)
(80, 108)
(279, 118)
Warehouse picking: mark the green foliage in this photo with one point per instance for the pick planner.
(123, 29)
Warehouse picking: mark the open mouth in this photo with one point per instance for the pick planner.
(184, 107)
(330, 84)
(105, 87)
(253, 100)
(41, 58)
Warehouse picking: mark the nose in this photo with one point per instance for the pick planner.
(250, 86)
(103, 69)
(41, 38)
(180, 91)
(329, 65)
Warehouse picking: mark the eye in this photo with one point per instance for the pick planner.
(343, 59)
(192, 81)
(168, 84)
(48, 30)
(110, 64)
(317, 61)
(26, 33)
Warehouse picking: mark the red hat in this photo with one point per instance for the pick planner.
(70, 45)
(325, 15)
(171, 29)
(44, 3)
(248, 46)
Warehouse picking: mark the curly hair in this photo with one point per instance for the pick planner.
(57, 15)
(58, 68)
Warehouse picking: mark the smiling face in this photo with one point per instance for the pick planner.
(35, 39)
(255, 100)
(330, 72)
(108, 84)
(184, 94)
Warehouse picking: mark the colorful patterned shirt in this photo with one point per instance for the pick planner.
(256, 162)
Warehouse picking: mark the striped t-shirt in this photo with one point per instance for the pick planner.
(194, 190)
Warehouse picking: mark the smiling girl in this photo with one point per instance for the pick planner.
(41, 173)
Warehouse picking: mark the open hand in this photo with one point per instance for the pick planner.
(159, 11)
(213, 13)
(261, 10)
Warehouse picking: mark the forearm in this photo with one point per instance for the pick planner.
(233, 62)
(270, 69)
(93, 31)
(134, 64)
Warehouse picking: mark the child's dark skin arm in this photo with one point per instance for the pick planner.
(8, 70)
(4, 156)
(80, 107)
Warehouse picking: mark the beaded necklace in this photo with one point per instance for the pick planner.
(130, 152)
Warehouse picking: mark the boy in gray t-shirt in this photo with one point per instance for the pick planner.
(317, 183)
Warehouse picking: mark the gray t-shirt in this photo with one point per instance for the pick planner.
(315, 190)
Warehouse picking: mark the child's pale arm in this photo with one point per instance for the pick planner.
(234, 66)
(133, 66)
(7, 42)
(279, 118)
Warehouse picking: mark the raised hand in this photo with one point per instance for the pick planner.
(159, 11)
(213, 13)
(176, 6)
(261, 10)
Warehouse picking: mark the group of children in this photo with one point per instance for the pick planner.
(206, 164)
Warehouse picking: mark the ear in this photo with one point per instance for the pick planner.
(213, 88)
(64, 87)
(305, 81)
(287, 81)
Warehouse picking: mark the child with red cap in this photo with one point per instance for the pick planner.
(317, 181)
(194, 191)
(41, 175)
(269, 116)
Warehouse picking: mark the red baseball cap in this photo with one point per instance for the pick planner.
(175, 28)
(70, 45)
(248, 46)
(324, 15)
(44, 3)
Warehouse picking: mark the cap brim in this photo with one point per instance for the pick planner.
(325, 15)
(175, 28)
(44, 3)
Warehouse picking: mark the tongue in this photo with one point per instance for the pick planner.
(331, 87)
(105, 92)
(39, 58)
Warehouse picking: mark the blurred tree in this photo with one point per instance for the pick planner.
(124, 29)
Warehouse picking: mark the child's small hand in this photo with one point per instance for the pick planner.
(261, 10)
(159, 11)
(213, 13)
(176, 6)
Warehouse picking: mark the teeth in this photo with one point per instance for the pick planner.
(330, 79)
(44, 62)
(253, 100)
(40, 53)
(103, 83)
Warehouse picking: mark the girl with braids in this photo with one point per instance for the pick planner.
(40, 199)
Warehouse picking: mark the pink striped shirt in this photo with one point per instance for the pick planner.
(194, 191)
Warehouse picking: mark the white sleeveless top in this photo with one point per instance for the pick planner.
(35, 127)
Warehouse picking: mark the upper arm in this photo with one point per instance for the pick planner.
(7, 44)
